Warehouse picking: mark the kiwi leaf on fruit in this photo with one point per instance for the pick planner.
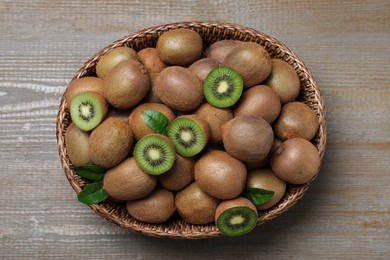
(258, 196)
(156, 121)
(93, 193)
(155, 154)
(223, 87)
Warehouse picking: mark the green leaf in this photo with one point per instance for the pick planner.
(258, 196)
(93, 193)
(156, 120)
(91, 172)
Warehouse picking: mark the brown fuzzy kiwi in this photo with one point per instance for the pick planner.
(110, 142)
(126, 84)
(180, 175)
(251, 61)
(137, 121)
(76, 141)
(220, 49)
(179, 88)
(127, 181)
(195, 206)
(203, 67)
(157, 207)
(247, 138)
(85, 84)
(284, 81)
(220, 174)
(296, 120)
(215, 118)
(259, 101)
(152, 96)
(296, 161)
(265, 179)
(150, 59)
(179, 47)
(109, 60)
(262, 163)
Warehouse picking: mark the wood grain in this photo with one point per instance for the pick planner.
(344, 215)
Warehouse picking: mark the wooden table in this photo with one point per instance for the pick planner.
(344, 215)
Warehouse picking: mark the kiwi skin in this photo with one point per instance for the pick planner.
(259, 101)
(220, 49)
(296, 161)
(251, 61)
(110, 142)
(137, 122)
(152, 96)
(126, 84)
(179, 88)
(215, 118)
(180, 175)
(195, 206)
(284, 81)
(127, 181)
(157, 207)
(247, 138)
(109, 60)
(296, 120)
(220, 174)
(85, 84)
(203, 67)
(266, 179)
(179, 47)
(76, 141)
(150, 59)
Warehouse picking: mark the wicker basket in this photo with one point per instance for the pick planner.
(210, 32)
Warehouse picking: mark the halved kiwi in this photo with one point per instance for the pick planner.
(236, 216)
(189, 134)
(223, 87)
(88, 109)
(155, 154)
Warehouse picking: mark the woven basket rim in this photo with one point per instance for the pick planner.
(228, 30)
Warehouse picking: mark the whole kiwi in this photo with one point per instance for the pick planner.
(265, 179)
(220, 174)
(85, 84)
(195, 206)
(247, 138)
(126, 84)
(113, 57)
(259, 101)
(215, 117)
(127, 181)
(179, 47)
(150, 59)
(220, 49)
(76, 141)
(203, 67)
(296, 120)
(180, 175)
(251, 61)
(296, 161)
(110, 142)
(284, 81)
(157, 207)
(137, 122)
(179, 88)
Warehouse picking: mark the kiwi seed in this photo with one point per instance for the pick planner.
(87, 110)
(236, 216)
(155, 154)
(223, 87)
(189, 134)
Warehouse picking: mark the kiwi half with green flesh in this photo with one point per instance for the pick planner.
(223, 87)
(155, 154)
(236, 216)
(189, 134)
(88, 109)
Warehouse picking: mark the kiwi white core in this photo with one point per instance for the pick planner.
(236, 220)
(186, 136)
(154, 154)
(86, 110)
(223, 87)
